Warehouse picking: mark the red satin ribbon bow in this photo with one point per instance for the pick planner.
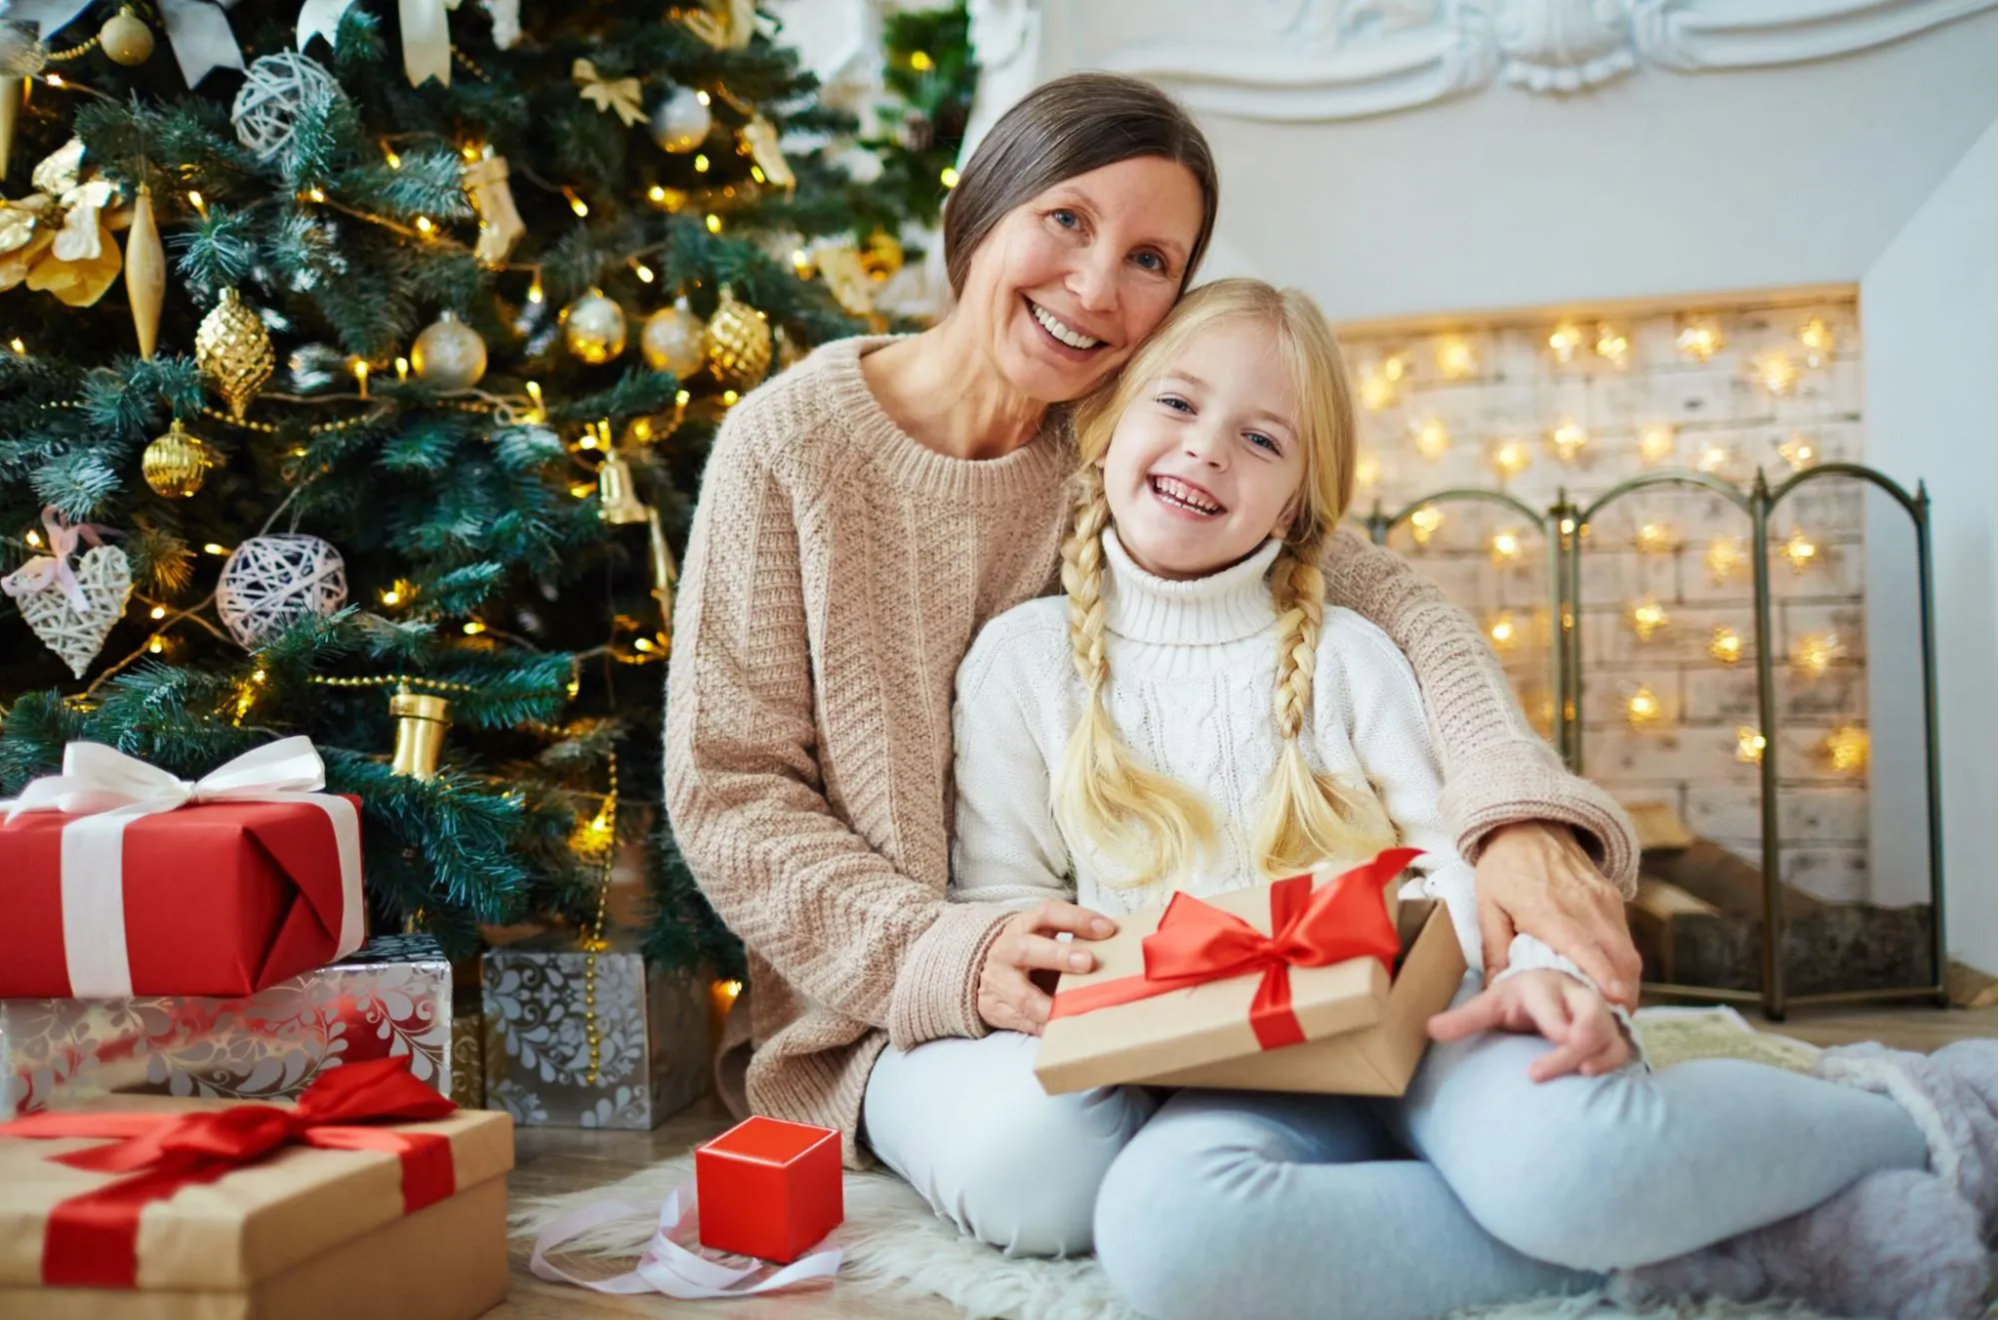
(93, 1238)
(1197, 943)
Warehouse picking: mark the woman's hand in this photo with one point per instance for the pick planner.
(1535, 879)
(1557, 1007)
(1027, 952)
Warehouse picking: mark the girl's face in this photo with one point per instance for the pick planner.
(1207, 461)
(1068, 284)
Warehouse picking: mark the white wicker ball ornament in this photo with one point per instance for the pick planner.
(271, 582)
(275, 88)
(681, 122)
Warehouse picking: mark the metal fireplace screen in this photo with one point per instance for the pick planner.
(1774, 951)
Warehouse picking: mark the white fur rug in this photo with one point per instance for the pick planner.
(895, 1244)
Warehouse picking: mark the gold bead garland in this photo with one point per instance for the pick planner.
(593, 942)
(393, 680)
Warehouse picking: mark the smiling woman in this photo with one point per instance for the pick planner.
(861, 518)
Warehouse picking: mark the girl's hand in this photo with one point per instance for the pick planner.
(1554, 1005)
(1027, 952)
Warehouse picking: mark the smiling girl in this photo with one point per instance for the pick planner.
(1191, 714)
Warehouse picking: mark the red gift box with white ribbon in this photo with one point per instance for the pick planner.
(120, 879)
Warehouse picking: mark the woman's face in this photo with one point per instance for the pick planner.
(1067, 284)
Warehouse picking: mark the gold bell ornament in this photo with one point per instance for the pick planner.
(145, 272)
(176, 463)
(738, 343)
(233, 349)
(126, 38)
(617, 497)
(421, 720)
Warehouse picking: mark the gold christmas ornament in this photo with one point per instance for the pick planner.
(13, 92)
(617, 499)
(421, 720)
(500, 223)
(738, 343)
(724, 24)
(618, 96)
(882, 258)
(145, 272)
(671, 340)
(665, 573)
(594, 327)
(21, 58)
(449, 355)
(761, 138)
(176, 463)
(126, 38)
(233, 350)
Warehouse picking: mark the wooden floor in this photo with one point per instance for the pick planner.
(566, 1159)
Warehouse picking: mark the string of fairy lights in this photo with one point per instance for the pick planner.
(1393, 376)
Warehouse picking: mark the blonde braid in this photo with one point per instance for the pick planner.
(1308, 818)
(1101, 794)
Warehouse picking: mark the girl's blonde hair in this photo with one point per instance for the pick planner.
(1146, 821)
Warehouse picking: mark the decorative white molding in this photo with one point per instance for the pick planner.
(1306, 60)
(1692, 36)
(1564, 45)
(1330, 59)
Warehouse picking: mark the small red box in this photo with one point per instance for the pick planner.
(769, 1189)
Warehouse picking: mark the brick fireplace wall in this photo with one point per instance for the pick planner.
(1495, 406)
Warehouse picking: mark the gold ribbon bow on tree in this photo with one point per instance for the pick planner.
(621, 95)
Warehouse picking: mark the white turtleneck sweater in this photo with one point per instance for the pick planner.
(1193, 672)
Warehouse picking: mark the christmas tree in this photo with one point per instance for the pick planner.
(358, 364)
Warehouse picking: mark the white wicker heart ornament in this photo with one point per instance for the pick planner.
(76, 633)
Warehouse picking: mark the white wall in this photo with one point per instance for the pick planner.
(1932, 336)
(1657, 184)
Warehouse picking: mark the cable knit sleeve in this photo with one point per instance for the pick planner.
(1007, 847)
(1497, 770)
(745, 793)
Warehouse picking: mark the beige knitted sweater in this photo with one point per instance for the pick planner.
(836, 575)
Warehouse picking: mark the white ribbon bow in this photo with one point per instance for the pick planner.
(667, 1267)
(105, 790)
(426, 33)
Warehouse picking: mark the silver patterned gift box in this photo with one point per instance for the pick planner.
(392, 996)
(651, 1027)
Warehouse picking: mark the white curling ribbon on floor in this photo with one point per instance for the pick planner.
(198, 30)
(426, 33)
(106, 790)
(667, 1267)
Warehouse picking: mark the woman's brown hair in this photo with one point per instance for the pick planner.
(1071, 126)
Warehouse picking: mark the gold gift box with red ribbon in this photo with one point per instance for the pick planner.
(1317, 983)
(372, 1195)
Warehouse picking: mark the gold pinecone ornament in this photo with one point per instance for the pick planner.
(233, 350)
(176, 463)
(738, 343)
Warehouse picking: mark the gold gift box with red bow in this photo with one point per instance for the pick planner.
(1320, 983)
